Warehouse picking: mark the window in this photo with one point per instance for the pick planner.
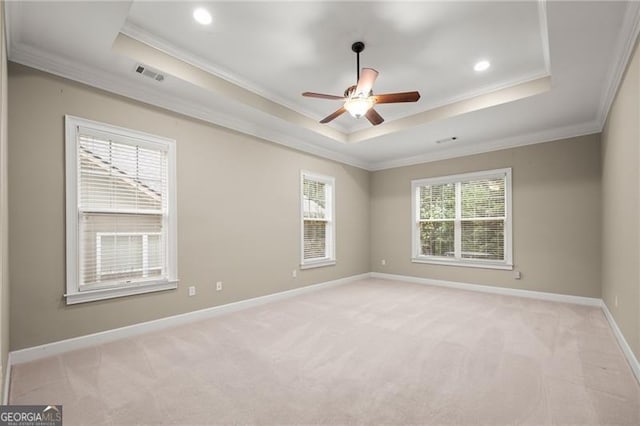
(121, 220)
(463, 219)
(318, 227)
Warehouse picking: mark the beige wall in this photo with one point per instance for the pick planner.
(238, 212)
(620, 210)
(556, 217)
(4, 240)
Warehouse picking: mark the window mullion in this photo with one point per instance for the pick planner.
(457, 229)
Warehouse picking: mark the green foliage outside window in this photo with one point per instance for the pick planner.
(482, 219)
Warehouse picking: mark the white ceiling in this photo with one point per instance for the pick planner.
(270, 52)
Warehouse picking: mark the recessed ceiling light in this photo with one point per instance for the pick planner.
(482, 66)
(202, 16)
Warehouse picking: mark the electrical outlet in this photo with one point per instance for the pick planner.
(192, 290)
(294, 273)
(383, 262)
(219, 286)
(517, 275)
(615, 301)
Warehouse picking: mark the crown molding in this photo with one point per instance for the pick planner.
(544, 34)
(164, 46)
(141, 52)
(171, 61)
(36, 58)
(482, 147)
(477, 103)
(622, 52)
(135, 32)
(44, 61)
(7, 20)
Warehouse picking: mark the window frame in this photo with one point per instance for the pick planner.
(330, 233)
(416, 257)
(73, 293)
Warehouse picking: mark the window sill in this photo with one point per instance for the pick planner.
(110, 293)
(464, 264)
(318, 264)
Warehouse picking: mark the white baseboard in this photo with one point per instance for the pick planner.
(577, 300)
(55, 348)
(626, 349)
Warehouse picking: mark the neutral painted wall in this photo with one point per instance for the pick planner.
(238, 212)
(620, 210)
(4, 239)
(556, 217)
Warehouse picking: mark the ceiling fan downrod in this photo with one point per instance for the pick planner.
(357, 47)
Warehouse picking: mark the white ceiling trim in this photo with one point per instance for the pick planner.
(479, 102)
(486, 90)
(166, 47)
(622, 53)
(35, 58)
(544, 33)
(29, 56)
(8, 22)
(38, 59)
(163, 46)
(149, 55)
(152, 56)
(495, 145)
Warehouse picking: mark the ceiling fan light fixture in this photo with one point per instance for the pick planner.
(358, 106)
(359, 99)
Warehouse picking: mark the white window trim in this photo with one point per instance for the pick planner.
(330, 259)
(73, 294)
(506, 264)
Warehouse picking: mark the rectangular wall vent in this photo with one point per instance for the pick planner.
(148, 72)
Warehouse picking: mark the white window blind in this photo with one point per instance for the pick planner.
(463, 219)
(125, 218)
(483, 220)
(437, 219)
(317, 220)
(122, 201)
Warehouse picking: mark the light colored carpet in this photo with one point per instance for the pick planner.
(370, 352)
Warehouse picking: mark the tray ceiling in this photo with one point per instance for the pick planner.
(554, 67)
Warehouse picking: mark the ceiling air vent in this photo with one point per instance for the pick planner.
(148, 72)
(445, 140)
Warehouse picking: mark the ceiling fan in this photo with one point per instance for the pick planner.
(359, 99)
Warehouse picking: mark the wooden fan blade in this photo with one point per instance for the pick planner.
(365, 83)
(392, 98)
(321, 96)
(373, 117)
(336, 114)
